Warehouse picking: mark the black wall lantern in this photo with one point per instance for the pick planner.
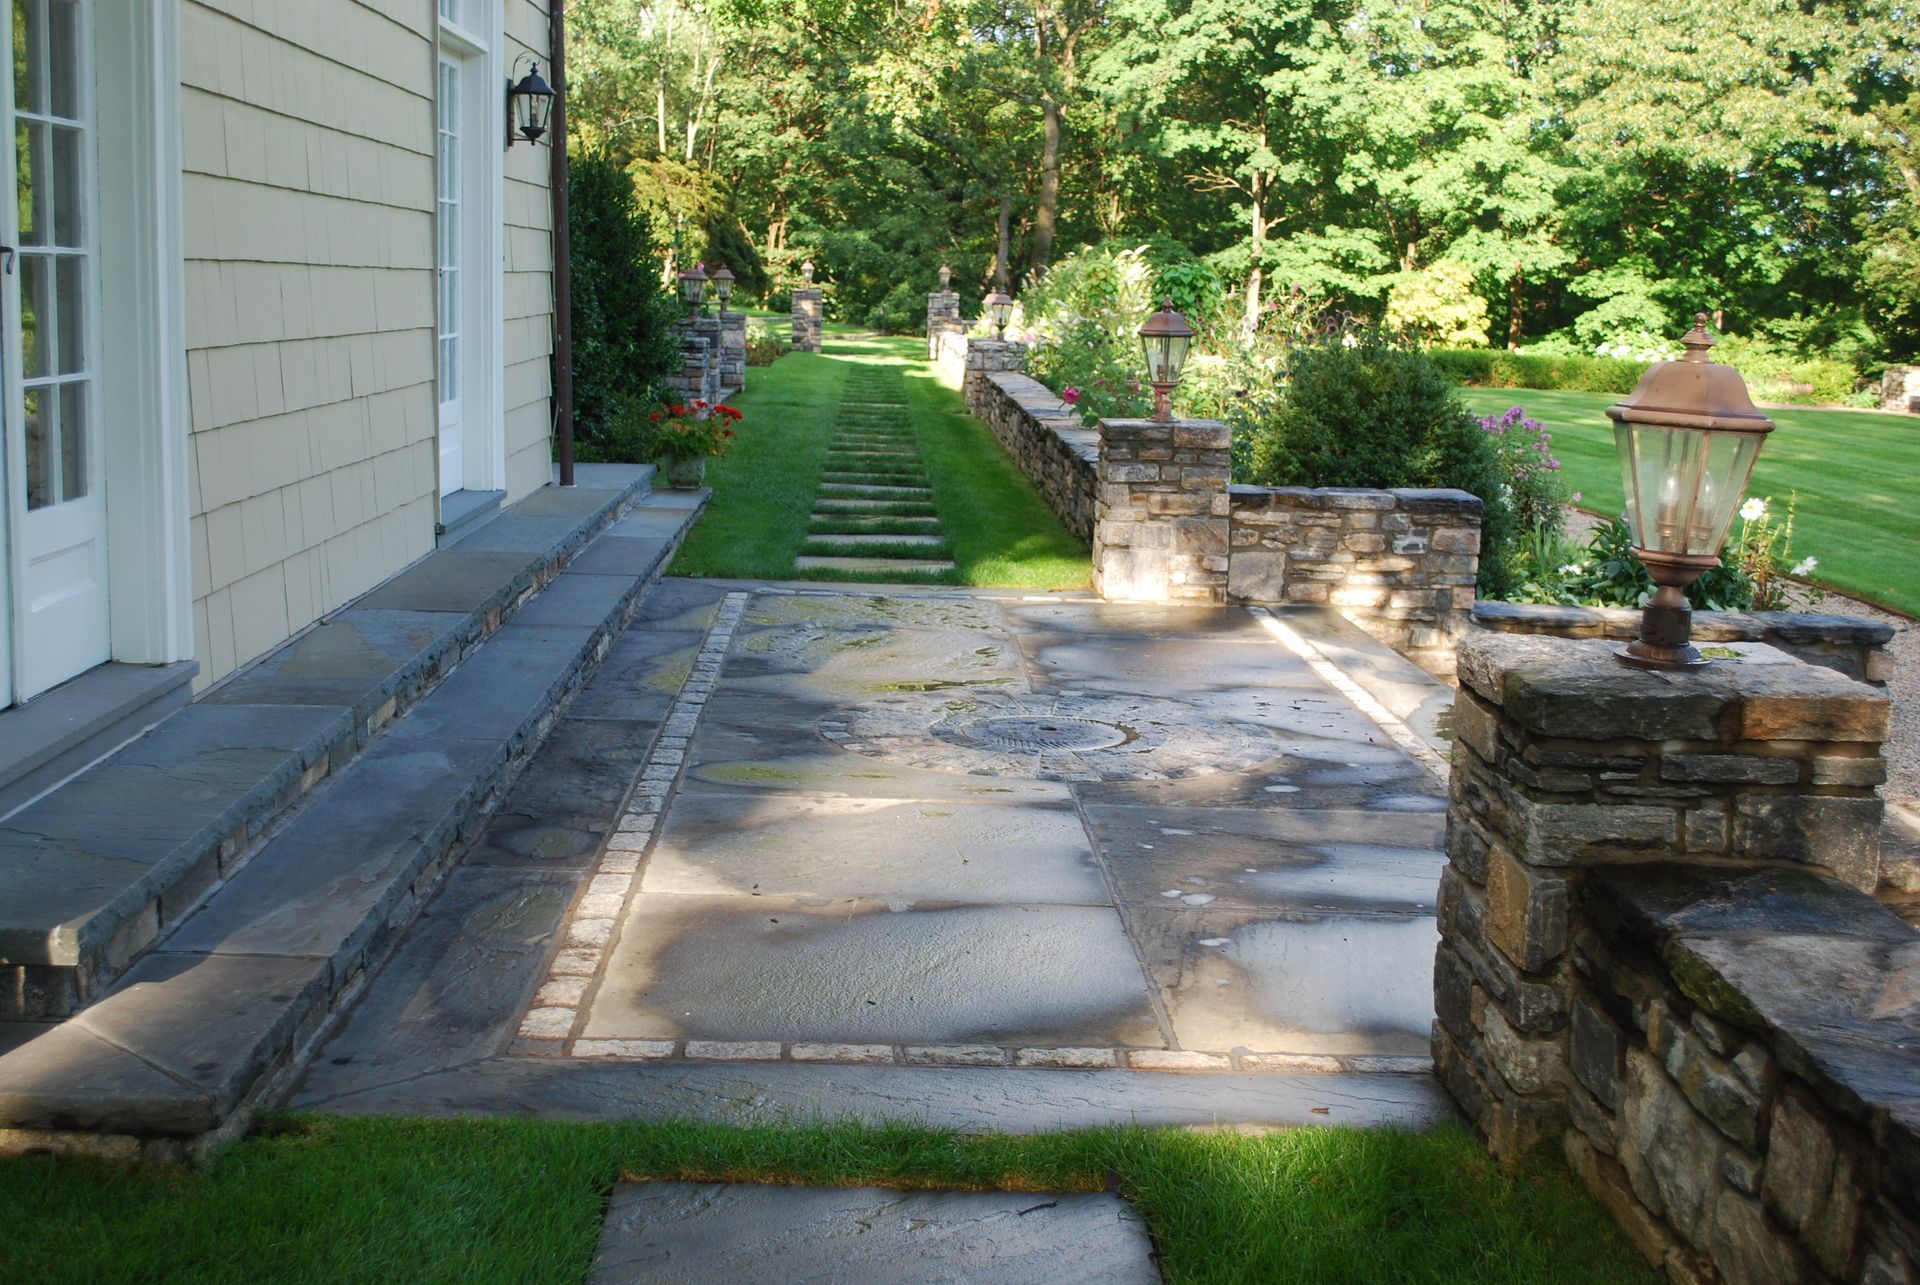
(529, 103)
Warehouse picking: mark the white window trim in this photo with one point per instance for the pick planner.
(143, 389)
(483, 427)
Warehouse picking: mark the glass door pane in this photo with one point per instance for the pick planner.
(53, 169)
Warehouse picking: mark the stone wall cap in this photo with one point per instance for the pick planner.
(1823, 973)
(1796, 627)
(1664, 901)
(1574, 688)
(1437, 499)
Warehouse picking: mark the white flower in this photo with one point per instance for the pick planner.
(1753, 510)
(1572, 568)
(1804, 566)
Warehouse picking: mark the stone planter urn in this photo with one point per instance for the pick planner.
(688, 474)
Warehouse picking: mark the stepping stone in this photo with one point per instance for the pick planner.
(870, 566)
(657, 1231)
(908, 492)
(863, 541)
(863, 523)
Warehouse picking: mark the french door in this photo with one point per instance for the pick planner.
(55, 498)
(453, 142)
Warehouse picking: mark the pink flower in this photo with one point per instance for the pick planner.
(1072, 396)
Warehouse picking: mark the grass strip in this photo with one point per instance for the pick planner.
(1855, 511)
(998, 528)
(873, 508)
(326, 1199)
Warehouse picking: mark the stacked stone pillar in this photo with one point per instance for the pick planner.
(1647, 871)
(943, 319)
(733, 352)
(984, 357)
(700, 361)
(807, 319)
(1161, 511)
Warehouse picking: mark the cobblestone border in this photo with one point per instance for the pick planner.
(986, 1055)
(590, 923)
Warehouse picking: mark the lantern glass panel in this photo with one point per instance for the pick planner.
(1166, 354)
(1683, 485)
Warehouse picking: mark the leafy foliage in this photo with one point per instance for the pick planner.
(1372, 415)
(621, 313)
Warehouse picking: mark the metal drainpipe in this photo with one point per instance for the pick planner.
(562, 243)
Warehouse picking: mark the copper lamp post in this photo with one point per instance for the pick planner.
(1165, 338)
(999, 308)
(693, 286)
(1688, 437)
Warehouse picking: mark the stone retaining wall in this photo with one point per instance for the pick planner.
(943, 319)
(1058, 453)
(1399, 563)
(1851, 645)
(1654, 948)
(1161, 520)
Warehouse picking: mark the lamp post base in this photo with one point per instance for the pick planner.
(1666, 627)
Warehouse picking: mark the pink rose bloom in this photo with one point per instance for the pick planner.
(1071, 397)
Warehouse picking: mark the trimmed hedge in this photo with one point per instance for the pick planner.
(1497, 368)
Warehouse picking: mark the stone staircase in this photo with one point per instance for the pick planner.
(194, 905)
(875, 517)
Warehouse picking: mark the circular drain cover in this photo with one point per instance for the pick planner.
(1032, 734)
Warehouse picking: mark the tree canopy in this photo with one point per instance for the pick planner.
(1543, 170)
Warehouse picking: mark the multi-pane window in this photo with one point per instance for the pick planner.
(449, 223)
(54, 168)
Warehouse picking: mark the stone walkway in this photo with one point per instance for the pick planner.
(844, 844)
(874, 515)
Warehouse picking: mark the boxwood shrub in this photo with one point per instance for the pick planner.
(1498, 368)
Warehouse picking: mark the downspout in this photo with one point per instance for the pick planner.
(562, 244)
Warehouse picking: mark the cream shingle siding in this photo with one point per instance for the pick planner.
(528, 207)
(308, 148)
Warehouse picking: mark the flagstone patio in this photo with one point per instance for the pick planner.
(932, 829)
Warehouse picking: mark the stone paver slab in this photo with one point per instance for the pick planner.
(450, 580)
(456, 984)
(577, 600)
(212, 1021)
(658, 1231)
(1243, 858)
(66, 1077)
(358, 658)
(766, 968)
(1003, 1100)
(620, 554)
(1275, 983)
(899, 851)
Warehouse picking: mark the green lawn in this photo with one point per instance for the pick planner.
(1854, 473)
(336, 1200)
(998, 529)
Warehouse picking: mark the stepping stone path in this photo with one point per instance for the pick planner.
(874, 515)
(683, 1231)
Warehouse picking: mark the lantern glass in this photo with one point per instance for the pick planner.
(723, 286)
(1166, 354)
(692, 285)
(1002, 310)
(806, 271)
(1683, 485)
(946, 276)
(532, 100)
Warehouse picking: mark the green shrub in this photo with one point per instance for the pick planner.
(1375, 416)
(1498, 368)
(622, 344)
(764, 347)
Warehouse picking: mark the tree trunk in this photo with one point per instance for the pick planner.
(1256, 244)
(1006, 241)
(1048, 215)
(1514, 323)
